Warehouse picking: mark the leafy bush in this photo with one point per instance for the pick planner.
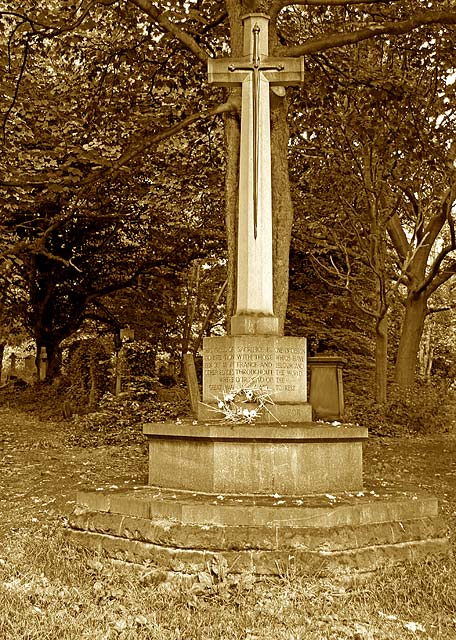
(119, 419)
(139, 358)
(425, 408)
(88, 373)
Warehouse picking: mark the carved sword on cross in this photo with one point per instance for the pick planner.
(255, 67)
(255, 72)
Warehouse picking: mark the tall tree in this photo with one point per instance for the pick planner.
(171, 42)
(381, 139)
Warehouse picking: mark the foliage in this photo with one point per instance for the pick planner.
(88, 374)
(324, 314)
(139, 359)
(44, 401)
(112, 162)
(423, 409)
(78, 229)
(119, 419)
(374, 179)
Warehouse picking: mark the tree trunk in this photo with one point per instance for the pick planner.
(2, 351)
(381, 359)
(426, 352)
(232, 141)
(232, 144)
(409, 343)
(282, 207)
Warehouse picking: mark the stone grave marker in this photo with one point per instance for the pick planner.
(192, 382)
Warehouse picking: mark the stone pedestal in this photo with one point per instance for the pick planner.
(180, 532)
(256, 459)
(275, 363)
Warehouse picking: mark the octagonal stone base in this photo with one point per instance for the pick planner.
(181, 532)
(261, 458)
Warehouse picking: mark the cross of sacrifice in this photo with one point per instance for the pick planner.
(255, 72)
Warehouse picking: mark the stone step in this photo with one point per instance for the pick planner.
(323, 510)
(260, 562)
(182, 531)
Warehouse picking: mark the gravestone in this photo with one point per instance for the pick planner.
(281, 490)
(326, 387)
(12, 371)
(43, 364)
(30, 365)
(125, 335)
(192, 382)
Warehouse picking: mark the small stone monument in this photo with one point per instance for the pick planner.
(12, 371)
(43, 364)
(192, 382)
(326, 387)
(280, 490)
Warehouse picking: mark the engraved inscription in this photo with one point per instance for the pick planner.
(273, 363)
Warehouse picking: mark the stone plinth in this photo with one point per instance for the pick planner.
(259, 458)
(182, 532)
(278, 414)
(326, 387)
(275, 363)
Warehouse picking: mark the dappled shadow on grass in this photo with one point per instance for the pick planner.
(48, 588)
(41, 469)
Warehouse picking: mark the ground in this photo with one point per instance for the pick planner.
(44, 462)
(41, 469)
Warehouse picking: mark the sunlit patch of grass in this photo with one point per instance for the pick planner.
(424, 591)
(52, 590)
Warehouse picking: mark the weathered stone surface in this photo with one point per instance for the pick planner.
(273, 562)
(282, 414)
(276, 363)
(263, 537)
(262, 458)
(254, 73)
(263, 534)
(97, 500)
(326, 387)
(322, 511)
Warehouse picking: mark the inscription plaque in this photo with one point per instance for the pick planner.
(270, 362)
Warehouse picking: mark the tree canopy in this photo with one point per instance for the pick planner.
(114, 155)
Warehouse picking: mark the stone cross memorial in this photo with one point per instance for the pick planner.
(254, 354)
(282, 490)
(255, 72)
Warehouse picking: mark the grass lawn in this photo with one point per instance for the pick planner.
(51, 590)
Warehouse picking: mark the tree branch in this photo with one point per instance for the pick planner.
(334, 3)
(18, 84)
(340, 39)
(398, 237)
(143, 141)
(165, 23)
(439, 278)
(146, 142)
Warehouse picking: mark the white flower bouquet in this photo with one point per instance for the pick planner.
(244, 405)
